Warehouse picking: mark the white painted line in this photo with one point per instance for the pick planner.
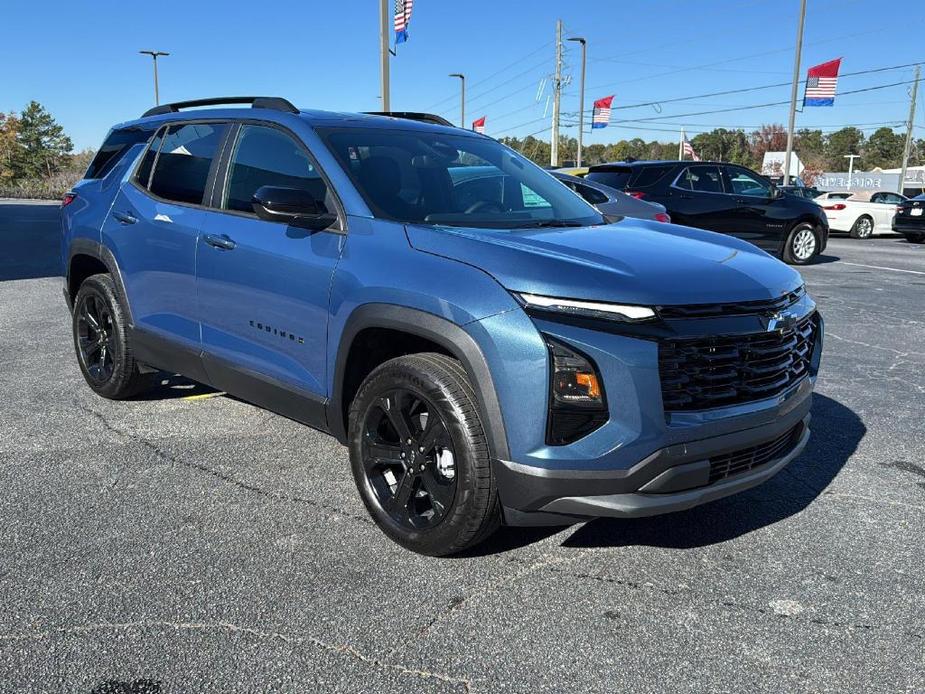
(880, 267)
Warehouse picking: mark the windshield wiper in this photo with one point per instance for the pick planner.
(541, 223)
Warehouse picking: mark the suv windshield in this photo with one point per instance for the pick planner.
(424, 177)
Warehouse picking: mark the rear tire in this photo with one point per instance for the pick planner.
(420, 457)
(104, 351)
(863, 228)
(802, 245)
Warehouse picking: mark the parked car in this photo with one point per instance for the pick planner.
(833, 195)
(612, 203)
(863, 213)
(726, 198)
(801, 191)
(910, 219)
(487, 356)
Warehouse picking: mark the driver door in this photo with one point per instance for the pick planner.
(753, 216)
(263, 287)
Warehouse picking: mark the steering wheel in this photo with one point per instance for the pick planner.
(485, 206)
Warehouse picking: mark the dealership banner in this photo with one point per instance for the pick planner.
(860, 180)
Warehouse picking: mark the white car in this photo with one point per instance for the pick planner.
(860, 214)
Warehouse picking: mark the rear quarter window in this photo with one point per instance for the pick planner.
(615, 178)
(117, 143)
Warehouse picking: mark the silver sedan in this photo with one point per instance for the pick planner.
(611, 202)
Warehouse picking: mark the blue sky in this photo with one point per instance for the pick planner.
(81, 61)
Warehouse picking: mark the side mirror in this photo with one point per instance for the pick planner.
(775, 192)
(291, 206)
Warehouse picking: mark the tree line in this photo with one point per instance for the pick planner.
(36, 156)
(817, 150)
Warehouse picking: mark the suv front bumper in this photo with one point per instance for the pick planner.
(674, 478)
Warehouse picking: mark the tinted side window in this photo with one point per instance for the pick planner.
(705, 179)
(265, 156)
(649, 176)
(595, 197)
(143, 175)
(183, 165)
(744, 182)
(116, 145)
(615, 178)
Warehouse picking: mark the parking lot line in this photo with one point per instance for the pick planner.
(203, 396)
(881, 267)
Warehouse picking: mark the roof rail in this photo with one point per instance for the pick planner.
(275, 103)
(413, 115)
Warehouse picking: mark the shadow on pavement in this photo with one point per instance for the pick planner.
(172, 386)
(823, 259)
(30, 236)
(136, 687)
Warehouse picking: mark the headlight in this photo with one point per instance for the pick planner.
(590, 309)
(577, 402)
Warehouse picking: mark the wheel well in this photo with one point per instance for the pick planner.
(81, 267)
(374, 346)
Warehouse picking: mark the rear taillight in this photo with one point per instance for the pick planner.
(836, 206)
(68, 199)
(635, 194)
(662, 217)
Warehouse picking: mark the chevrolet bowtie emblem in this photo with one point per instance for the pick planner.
(780, 322)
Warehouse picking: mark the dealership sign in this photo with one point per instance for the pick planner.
(859, 180)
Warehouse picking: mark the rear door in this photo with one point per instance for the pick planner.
(153, 226)
(264, 286)
(697, 198)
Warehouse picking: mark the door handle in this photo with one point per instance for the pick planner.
(222, 242)
(124, 217)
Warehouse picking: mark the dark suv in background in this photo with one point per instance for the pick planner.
(726, 198)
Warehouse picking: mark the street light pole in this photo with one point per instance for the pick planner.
(155, 55)
(850, 158)
(581, 97)
(462, 98)
(384, 30)
(909, 124)
(793, 93)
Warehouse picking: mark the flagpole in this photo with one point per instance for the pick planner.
(384, 53)
(681, 146)
(793, 93)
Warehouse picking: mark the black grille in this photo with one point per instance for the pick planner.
(702, 373)
(729, 464)
(740, 308)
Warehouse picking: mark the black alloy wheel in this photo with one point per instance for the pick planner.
(96, 338)
(420, 456)
(102, 341)
(409, 459)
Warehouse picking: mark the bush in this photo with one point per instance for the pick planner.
(51, 188)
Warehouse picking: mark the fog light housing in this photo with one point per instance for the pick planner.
(577, 403)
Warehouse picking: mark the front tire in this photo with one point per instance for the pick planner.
(420, 457)
(104, 352)
(802, 245)
(863, 228)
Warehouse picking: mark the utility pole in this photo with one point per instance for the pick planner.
(681, 146)
(462, 98)
(908, 146)
(793, 93)
(850, 158)
(581, 97)
(155, 55)
(557, 97)
(384, 29)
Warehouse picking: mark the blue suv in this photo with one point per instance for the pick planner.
(487, 346)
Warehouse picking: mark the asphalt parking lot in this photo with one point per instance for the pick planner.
(190, 542)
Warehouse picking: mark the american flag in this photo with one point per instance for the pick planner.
(821, 81)
(402, 17)
(600, 116)
(479, 125)
(689, 150)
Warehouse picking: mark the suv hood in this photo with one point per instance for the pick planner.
(633, 261)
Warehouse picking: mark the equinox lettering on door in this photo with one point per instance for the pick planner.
(276, 331)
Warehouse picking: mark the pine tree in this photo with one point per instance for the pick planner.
(43, 146)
